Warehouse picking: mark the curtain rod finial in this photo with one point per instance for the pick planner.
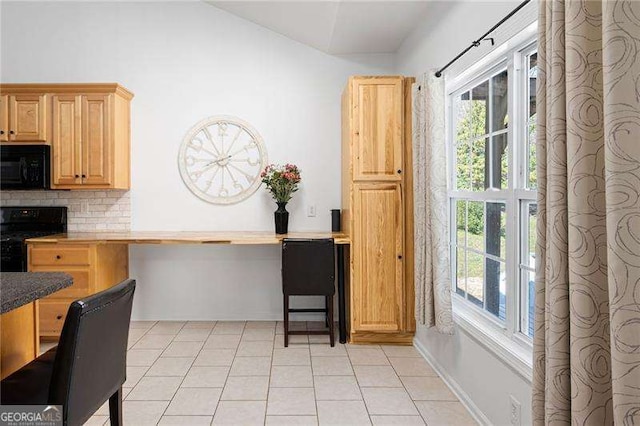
(438, 74)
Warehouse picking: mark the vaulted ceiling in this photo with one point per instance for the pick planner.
(340, 26)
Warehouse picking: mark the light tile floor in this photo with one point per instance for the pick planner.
(239, 373)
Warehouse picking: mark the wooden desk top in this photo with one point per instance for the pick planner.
(184, 237)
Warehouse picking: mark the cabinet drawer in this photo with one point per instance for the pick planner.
(56, 255)
(82, 284)
(52, 315)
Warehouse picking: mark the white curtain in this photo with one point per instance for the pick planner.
(431, 232)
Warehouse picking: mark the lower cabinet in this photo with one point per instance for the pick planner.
(377, 293)
(94, 267)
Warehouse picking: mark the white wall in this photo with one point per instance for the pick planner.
(185, 61)
(481, 378)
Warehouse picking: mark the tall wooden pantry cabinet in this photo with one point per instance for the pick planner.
(377, 206)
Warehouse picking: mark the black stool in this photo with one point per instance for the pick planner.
(308, 269)
(87, 367)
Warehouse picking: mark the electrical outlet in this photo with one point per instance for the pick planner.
(514, 411)
(311, 210)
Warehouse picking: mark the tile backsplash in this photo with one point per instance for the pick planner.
(87, 210)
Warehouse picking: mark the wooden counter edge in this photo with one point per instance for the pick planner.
(227, 238)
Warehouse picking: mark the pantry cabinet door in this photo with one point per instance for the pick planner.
(377, 280)
(377, 128)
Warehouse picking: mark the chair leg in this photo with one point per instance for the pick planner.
(115, 408)
(326, 313)
(332, 337)
(286, 320)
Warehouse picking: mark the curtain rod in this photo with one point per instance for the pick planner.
(482, 38)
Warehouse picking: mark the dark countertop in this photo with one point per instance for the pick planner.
(19, 288)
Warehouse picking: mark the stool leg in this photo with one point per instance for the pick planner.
(286, 320)
(332, 337)
(326, 311)
(115, 408)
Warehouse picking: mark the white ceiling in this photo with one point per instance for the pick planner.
(339, 26)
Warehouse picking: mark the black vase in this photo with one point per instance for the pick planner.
(281, 217)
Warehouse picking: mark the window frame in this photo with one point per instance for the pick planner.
(504, 339)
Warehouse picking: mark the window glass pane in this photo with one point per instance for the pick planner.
(496, 229)
(531, 121)
(500, 162)
(499, 101)
(462, 117)
(478, 172)
(463, 166)
(527, 304)
(532, 214)
(478, 119)
(496, 286)
(461, 222)
(475, 278)
(460, 272)
(475, 225)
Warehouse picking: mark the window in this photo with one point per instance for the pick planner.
(492, 193)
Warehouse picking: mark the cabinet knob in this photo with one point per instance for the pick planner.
(77, 176)
(399, 171)
(84, 176)
(58, 256)
(59, 317)
(399, 256)
(11, 132)
(1, 132)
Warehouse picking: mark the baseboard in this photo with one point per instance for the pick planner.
(473, 409)
(267, 317)
(365, 337)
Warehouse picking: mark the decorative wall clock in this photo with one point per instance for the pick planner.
(221, 159)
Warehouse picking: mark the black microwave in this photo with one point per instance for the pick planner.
(25, 167)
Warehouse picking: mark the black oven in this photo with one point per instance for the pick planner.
(25, 166)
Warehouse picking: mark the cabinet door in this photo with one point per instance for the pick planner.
(65, 141)
(96, 139)
(377, 280)
(377, 128)
(27, 118)
(4, 118)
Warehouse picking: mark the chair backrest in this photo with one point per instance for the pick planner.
(308, 266)
(90, 363)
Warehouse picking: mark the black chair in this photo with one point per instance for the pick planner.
(308, 269)
(88, 367)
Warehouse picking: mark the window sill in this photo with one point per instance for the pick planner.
(517, 356)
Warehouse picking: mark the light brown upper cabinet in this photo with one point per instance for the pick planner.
(4, 118)
(87, 125)
(90, 144)
(377, 206)
(377, 128)
(66, 139)
(81, 143)
(23, 118)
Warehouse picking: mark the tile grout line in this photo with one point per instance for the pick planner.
(359, 387)
(273, 349)
(181, 381)
(244, 326)
(405, 388)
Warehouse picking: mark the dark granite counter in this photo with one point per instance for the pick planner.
(19, 288)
